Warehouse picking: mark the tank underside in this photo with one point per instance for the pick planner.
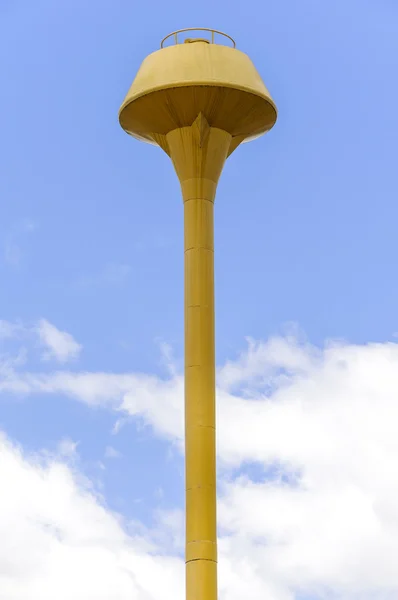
(235, 111)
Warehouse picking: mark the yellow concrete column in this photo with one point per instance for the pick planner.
(198, 154)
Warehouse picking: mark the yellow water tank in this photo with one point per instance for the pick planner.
(178, 82)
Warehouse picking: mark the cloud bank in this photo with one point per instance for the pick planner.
(320, 515)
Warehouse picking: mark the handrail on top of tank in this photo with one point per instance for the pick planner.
(212, 31)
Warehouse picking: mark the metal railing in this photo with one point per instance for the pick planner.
(213, 32)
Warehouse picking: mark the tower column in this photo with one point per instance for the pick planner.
(198, 153)
(198, 102)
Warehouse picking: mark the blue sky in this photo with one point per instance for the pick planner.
(91, 242)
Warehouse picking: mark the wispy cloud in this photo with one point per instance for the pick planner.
(9, 330)
(111, 452)
(167, 358)
(58, 345)
(55, 344)
(67, 448)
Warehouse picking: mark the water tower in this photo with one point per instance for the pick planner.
(198, 98)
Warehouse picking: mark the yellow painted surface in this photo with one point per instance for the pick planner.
(198, 102)
(198, 154)
(177, 83)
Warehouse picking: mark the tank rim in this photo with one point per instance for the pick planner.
(197, 84)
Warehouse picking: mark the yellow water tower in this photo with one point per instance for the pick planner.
(198, 98)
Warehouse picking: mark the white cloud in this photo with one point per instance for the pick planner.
(167, 358)
(59, 345)
(59, 541)
(321, 424)
(158, 402)
(111, 452)
(67, 448)
(119, 424)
